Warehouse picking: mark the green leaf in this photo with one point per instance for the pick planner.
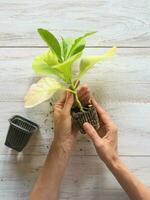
(41, 91)
(51, 41)
(88, 62)
(43, 64)
(66, 46)
(79, 44)
(65, 68)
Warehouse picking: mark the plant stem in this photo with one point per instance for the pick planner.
(78, 101)
(69, 90)
(77, 82)
(74, 91)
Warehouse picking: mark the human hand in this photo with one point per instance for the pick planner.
(65, 133)
(105, 139)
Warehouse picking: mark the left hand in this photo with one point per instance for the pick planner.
(65, 133)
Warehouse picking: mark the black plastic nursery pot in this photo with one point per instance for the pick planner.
(19, 132)
(89, 115)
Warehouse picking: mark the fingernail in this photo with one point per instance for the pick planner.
(85, 125)
(90, 101)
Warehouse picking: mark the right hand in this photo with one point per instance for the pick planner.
(105, 139)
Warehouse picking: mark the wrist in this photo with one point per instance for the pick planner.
(60, 148)
(112, 161)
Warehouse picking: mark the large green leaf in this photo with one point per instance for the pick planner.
(65, 68)
(88, 62)
(41, 91)
(79, 44)
(66, 46)
(43, 64)
(51, 41)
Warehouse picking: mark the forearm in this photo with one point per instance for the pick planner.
(48, 183)
(130, 183)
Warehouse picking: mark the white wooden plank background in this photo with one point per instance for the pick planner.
(84, 179)
(122, 85)
(120, 22)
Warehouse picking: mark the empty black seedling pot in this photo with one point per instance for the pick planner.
(19, 132)
(89, 115)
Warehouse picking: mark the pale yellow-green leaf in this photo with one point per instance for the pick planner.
(41, 91)
(43, 63)
(88, 62)
(65, 67)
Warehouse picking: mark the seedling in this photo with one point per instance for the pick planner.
(57, 62)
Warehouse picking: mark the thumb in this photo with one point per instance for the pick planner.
(91, 132)
(68, 102)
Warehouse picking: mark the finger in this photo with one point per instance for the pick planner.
(68, 102)
(85, 100)
(91, 132)
(82, 89)
(103, 115)
(61, 101)
(106, 120)
(84, 94)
